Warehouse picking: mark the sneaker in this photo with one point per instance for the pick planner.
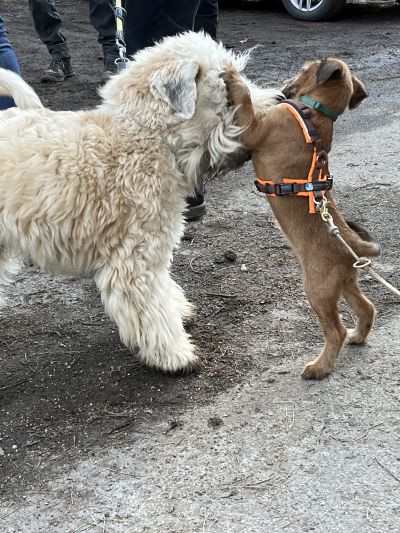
(59, 69)
(196, 208)
(109, 68)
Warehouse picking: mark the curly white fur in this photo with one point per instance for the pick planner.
(103, 191)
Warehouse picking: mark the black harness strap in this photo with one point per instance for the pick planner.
(288, 189)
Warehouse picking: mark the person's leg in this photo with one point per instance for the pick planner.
(103, 19)
(143, 23)
(47, 23)
(149, 21)
(8, 60)
(207, 17)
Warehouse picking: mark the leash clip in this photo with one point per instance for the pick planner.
(119, 12)
(320, 205)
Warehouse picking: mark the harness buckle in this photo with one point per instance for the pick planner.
(319, 185)
(318, 106)
(284, 189)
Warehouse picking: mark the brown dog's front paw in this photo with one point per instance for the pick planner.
(314, 370)
(238, 91)
(230, 75)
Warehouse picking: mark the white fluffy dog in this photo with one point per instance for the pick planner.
(103, 191)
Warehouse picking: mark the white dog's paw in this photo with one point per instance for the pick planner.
(181, 359)
(178, 358)
(189, 368)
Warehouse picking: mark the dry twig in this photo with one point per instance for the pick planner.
(221, 295)
(387, 470)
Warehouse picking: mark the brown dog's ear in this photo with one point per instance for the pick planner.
(359, 93)
(328, 70)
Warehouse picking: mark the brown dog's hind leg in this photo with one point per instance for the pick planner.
(363, 308)
(323, 300)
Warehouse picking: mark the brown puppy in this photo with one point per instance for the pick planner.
(279, 151)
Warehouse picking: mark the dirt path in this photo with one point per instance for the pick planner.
(93, 441)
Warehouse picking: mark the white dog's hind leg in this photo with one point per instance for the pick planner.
(175, 292)
(149, 312)
(9, 266)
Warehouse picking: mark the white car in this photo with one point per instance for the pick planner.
(314, 9)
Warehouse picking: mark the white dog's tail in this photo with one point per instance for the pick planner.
(23, 95)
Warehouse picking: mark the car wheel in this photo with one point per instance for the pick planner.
(313, 10)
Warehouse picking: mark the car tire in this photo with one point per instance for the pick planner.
(328, 9)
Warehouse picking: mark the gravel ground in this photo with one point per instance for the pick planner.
(90, 440)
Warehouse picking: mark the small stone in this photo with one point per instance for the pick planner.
(215, 422)
(219, 260)
(230, 256)
(233, 492)
(243, 268)
(226, 257)
(173, 424)
(188, 236)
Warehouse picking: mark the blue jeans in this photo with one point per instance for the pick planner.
(8, 60)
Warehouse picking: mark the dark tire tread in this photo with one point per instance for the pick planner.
(329, 9)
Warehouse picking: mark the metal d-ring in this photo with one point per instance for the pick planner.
(362, 262)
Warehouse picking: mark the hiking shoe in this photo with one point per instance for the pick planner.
(59, 69)
(196, 208)
(109, 68)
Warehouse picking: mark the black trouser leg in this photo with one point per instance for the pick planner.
(102, 18)
(207, 17)
(148, 21)
(47, 22)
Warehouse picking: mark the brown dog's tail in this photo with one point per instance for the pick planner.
(361, 241)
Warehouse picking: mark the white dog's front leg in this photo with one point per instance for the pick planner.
(149, 311)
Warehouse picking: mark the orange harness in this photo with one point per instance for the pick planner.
(318, 180)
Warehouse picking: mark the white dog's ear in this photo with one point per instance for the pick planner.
(175, 84)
